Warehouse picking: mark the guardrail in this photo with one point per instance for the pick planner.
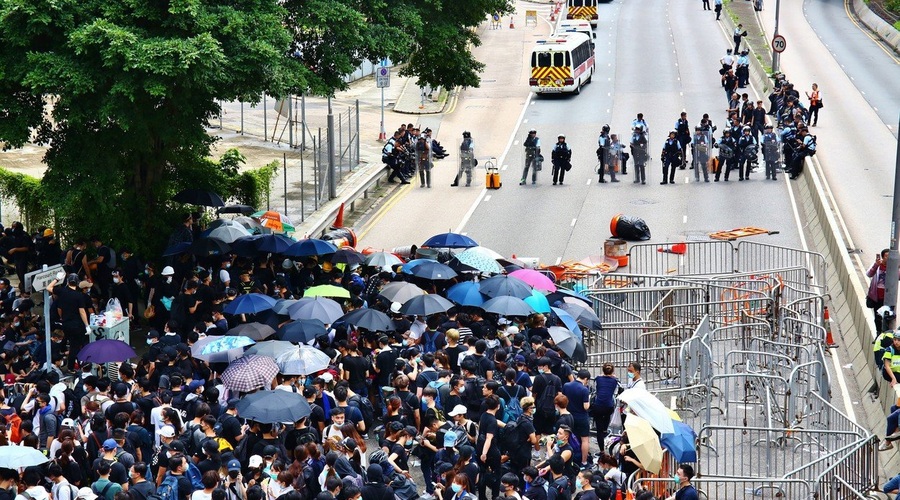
(318, 223)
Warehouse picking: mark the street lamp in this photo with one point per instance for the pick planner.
(893, 260)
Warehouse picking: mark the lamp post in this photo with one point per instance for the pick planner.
(893, 260)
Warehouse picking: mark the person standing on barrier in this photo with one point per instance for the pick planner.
(532, 145)
(875, 296)
(686, 490)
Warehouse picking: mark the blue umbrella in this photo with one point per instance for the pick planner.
(467, 293)
(433, 270)
(309, 248)
(226, 343)
(274, 243)
(409, 266)
(508, 306)
(682, 443)
(562, 293)
(450, 240)
(538, 302)
(251, 303)
(246, 246)
(177, 248)
(568, 320)
(282, 305)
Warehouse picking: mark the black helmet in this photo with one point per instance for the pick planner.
(532, 131)
(698, 128)
(606, 128)
(467, 134)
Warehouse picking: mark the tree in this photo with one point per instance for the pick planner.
(121, 93)
(433, 37)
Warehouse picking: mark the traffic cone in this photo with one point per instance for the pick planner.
(339, 220)
(829, 339)
(618, 495)
(677, 248)
(553, 15)
(512, 23)
(629, 495)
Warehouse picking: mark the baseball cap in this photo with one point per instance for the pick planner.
(519, 358)
(327, 377)
(349, 443)
(395, 426)
(167, 431)
(411, 430)
(457, 410)
(234, 465)
(255, 461)
(177, 446)
(85, 285)
(110, 444)
(68, 422)
(449, 439)
(153, 334)
(194, 385)
(395, 307)
(232, 403)
(269, 451)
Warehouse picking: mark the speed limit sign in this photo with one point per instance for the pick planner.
(779, 44)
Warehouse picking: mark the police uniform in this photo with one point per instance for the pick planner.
(615, 156)
(683, 134)
(532, 145)
(700, 151)
(727, 157)
(640, 153)
(744, 155)
(670, 158)
(743, 69)
(770, 149)
(603, 143)
(466, 159)
(561, 158)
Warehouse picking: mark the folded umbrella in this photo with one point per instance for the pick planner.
(433, 270)
(229, 233)
(682, 443)
(304, 360)
(301, 330)
(535, 279)
(370, 319)
(225, 356)
(538, 302)
(450, 240)
(400, 291)
(644, 442)
(323, 309)
(200, 197)
(383, 260)
(249, 373)
(105, 351)
(497, 286)
(269, 407)
(18, 457)
(426, 305)
(256, 331)
(327, 291)
(467, 293)
(250, 303)
(647, 406)
(271, 348)
(508, 306)
(310, 247)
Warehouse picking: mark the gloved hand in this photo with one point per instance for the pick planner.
(87, 329)
(60, 276)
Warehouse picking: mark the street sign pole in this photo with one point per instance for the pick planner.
(382, 135)
(39, 281)
(776, 56)
(893, 260)
(47, 342)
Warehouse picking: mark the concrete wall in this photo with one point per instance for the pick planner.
(882, 28)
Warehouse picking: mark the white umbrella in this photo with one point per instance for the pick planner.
(18, 457)
(271, 348)
(229, 233)
(650, 408)
(302, 361)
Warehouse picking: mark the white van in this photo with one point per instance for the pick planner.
(577, 26)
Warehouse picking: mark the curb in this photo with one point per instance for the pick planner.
(418, 112)
(882, 29)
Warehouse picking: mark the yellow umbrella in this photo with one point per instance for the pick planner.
(645, 443)
(674, 414)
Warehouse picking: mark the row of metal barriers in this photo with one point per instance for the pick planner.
(731, 335)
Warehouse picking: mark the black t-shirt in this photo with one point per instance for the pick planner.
(522, 454)
(356, 367)
(385, 363)
(295, 437)
(143, 489)
(567, 419)
(68, 301)
(401, 456)
(484, 365)
(231, 428)
(453, 356)
(587, 495)
(487, 424)
(317, 416)
(119, 407)
(185, 488)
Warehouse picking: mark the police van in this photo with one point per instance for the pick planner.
(562, 63)
(582, 9)
(577, 26)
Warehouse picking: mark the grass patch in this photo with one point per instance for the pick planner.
(897, 26)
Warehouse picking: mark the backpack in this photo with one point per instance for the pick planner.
(545, 401)
(575, 443)
(473, 393)
(407, 409)
(168, 489)
(430, 343)
(193, 473)
(241, 453)
(13, 424)
(436, 385)
(811, 147)
(509, 437)
(513, 408)
(365, 408)
(559, 488)
(101, 493)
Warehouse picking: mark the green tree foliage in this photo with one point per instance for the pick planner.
(432, 37)
(121, 91)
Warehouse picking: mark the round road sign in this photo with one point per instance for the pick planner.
(383, 71)
(779, 43)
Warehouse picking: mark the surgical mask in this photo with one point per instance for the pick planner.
(462, 389)
(169, 279)
(404, 343)
(630, 375)
(17, 323)
(456, 488)
(676, 480)
(228, 265)
(560, 442)
(85, 388)
(149, 341)
(116, 280)
(233, 474)
(578, 484)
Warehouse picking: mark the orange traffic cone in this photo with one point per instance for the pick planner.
(677, 248)
(829, 339)
(618, 495)
(339, 220)
(552, 15)
(512, 23)
(629, 495)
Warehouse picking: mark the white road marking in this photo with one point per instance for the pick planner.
(516, 143)
(873, 107)
(588, 183)
(573, 222)
(532, 103)
(487, 198)
(558, 260)
(504, 167)
(525, 120)
(684, 220)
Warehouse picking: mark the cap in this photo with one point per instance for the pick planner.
(412, 431)
(234, 465)
(168, 271)
(449, 439)
(327, 377)
(167, 431)
(349, 443)
(512, 330)
(177, 446)
(182, 348)
(110, 444)
(255, 461)
(395, 307)
(519, 359)
(153, 334)
(269, 451)
(72, 279)
(194, 385)
(395, 426)
(48, 232)
(457, 410)
(232, 403)
(68, 422)
(86, 493)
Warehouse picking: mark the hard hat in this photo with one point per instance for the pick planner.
(168, 271)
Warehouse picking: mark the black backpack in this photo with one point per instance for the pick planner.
(473, 393)
(365, 408)
(545, 401)
(509, 438)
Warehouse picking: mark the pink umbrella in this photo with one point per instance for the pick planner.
(536, 279)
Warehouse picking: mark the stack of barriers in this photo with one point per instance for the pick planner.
(732, 336)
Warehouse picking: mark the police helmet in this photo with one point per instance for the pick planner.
(746, 128)
(467, 134)
(532, 131)
(698, 128)
(729, 51)
(606, 128)
(727, 131)
(672, 132)
(769, 127)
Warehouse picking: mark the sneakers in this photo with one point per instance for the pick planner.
(885, 445)
(522, 182)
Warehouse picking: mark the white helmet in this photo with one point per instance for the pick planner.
(168, 271)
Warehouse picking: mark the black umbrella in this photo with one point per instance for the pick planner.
(301, 330)
(370, 319)
(205, 247)
(426, 305)
(236, 209)
(508, 306)
(433, 270)
(269, 407)
(499, 286)
(199, 197)
(347, 256)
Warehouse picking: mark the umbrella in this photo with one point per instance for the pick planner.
(534, 278)
(370, 319)
(302, 361)
(17, 457)
(508, 306)
(644, 442)
(433, 270)
(568, 343)
(220, 223)
(505, 285)
(226, 356)
(256, 331)
(649, 407)
(583, 316)
(347, 256)
(409, 266)
(204, 247)
(682, 443)
(246, 246)
(252, 225)
(460, 268)
(176, 249)
(426, 305)
(249, 372)
(274, 221)
(400, 291)
(301, 330)
(250, 303)
(383, 260)
(325, 310)
(269, 407)
(199, 197)
(271, 348)
(226, 343)
(105, 351)
(568, 321)
(538, 302)
(310, 247)
(327, 291)
(273, 243)
(229, 233)
(450, 240)
(268, 317)
(467, 293)
(236, 209)
(481, 258)
(282, 305)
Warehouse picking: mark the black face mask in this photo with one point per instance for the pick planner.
(233, 474)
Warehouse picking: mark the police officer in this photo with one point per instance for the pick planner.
(466, 159)
(770, 152)
(700, 152)
(391, 156)
(561, 158)
(603, 143)
(743, 69)
(727, 62)
(805, 146)
(738, 34)
(727, 159)
(532, 145)
(615, 157)
(671, 158)
(746, 145)
(639, 121)
(640, 151)
(683, 134)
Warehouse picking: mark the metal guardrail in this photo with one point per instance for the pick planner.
(318, 224)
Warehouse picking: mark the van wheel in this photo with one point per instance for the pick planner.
(578, 87)
(590, 77)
